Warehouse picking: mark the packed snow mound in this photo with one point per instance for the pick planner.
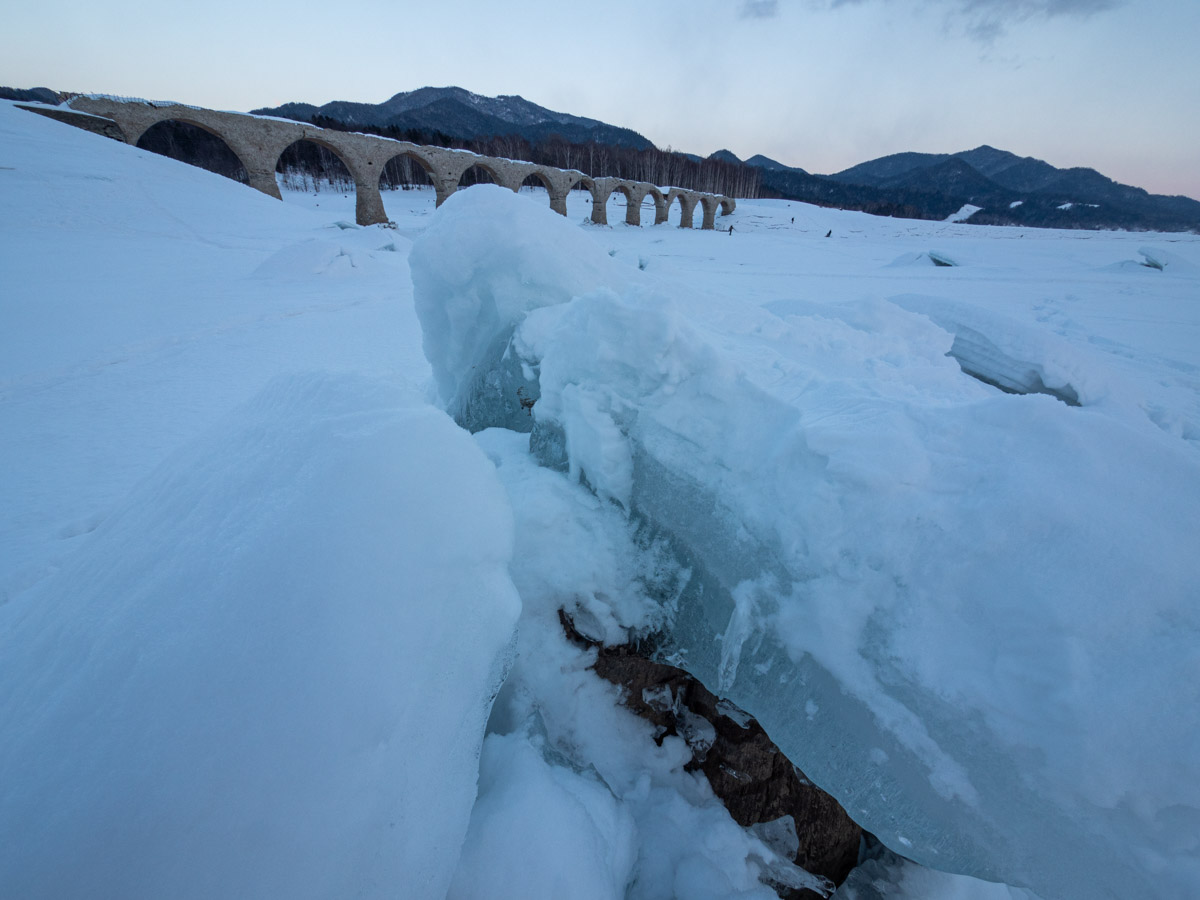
(227, 690)
(520, 260)
(933, 595)
(1155, 261)
(1168, 262)
(315, 258)
(1019, 360)
(543, 830)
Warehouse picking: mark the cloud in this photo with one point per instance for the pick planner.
(988, 19)
(758, 9)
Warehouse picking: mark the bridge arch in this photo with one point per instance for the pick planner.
(134, 119)
(629, 193)
(406, 168)
(536, 178)
(642, 190)
(687, 205)
(196, 144)
(479, 172)
(353, 154)
(133, 130)
(318, 159)
(557, 182)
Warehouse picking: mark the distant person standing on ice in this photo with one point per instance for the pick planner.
(731, 229)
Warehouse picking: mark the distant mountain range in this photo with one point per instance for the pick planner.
(1009, 189)
(458, 113)
(31, 95)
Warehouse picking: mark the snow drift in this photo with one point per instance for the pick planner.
(234, 689)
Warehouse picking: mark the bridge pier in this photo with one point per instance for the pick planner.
(599, 194)
(633, 209)
(443, 191)
(265, 181)
(368, 203)
(558, 184)
(508, 178)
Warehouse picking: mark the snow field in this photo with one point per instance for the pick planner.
(256, 596)
(218, 694)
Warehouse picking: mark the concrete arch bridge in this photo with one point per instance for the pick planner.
(259, 141)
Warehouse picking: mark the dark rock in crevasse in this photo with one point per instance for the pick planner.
(757, 783)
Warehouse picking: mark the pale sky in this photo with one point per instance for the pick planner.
(822, 84)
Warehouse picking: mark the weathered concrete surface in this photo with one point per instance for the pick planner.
(687, 205)
(635, 193)
(660, 204)
(96, 124)
(259, 141)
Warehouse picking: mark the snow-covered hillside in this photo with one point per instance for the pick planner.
(272, 624)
